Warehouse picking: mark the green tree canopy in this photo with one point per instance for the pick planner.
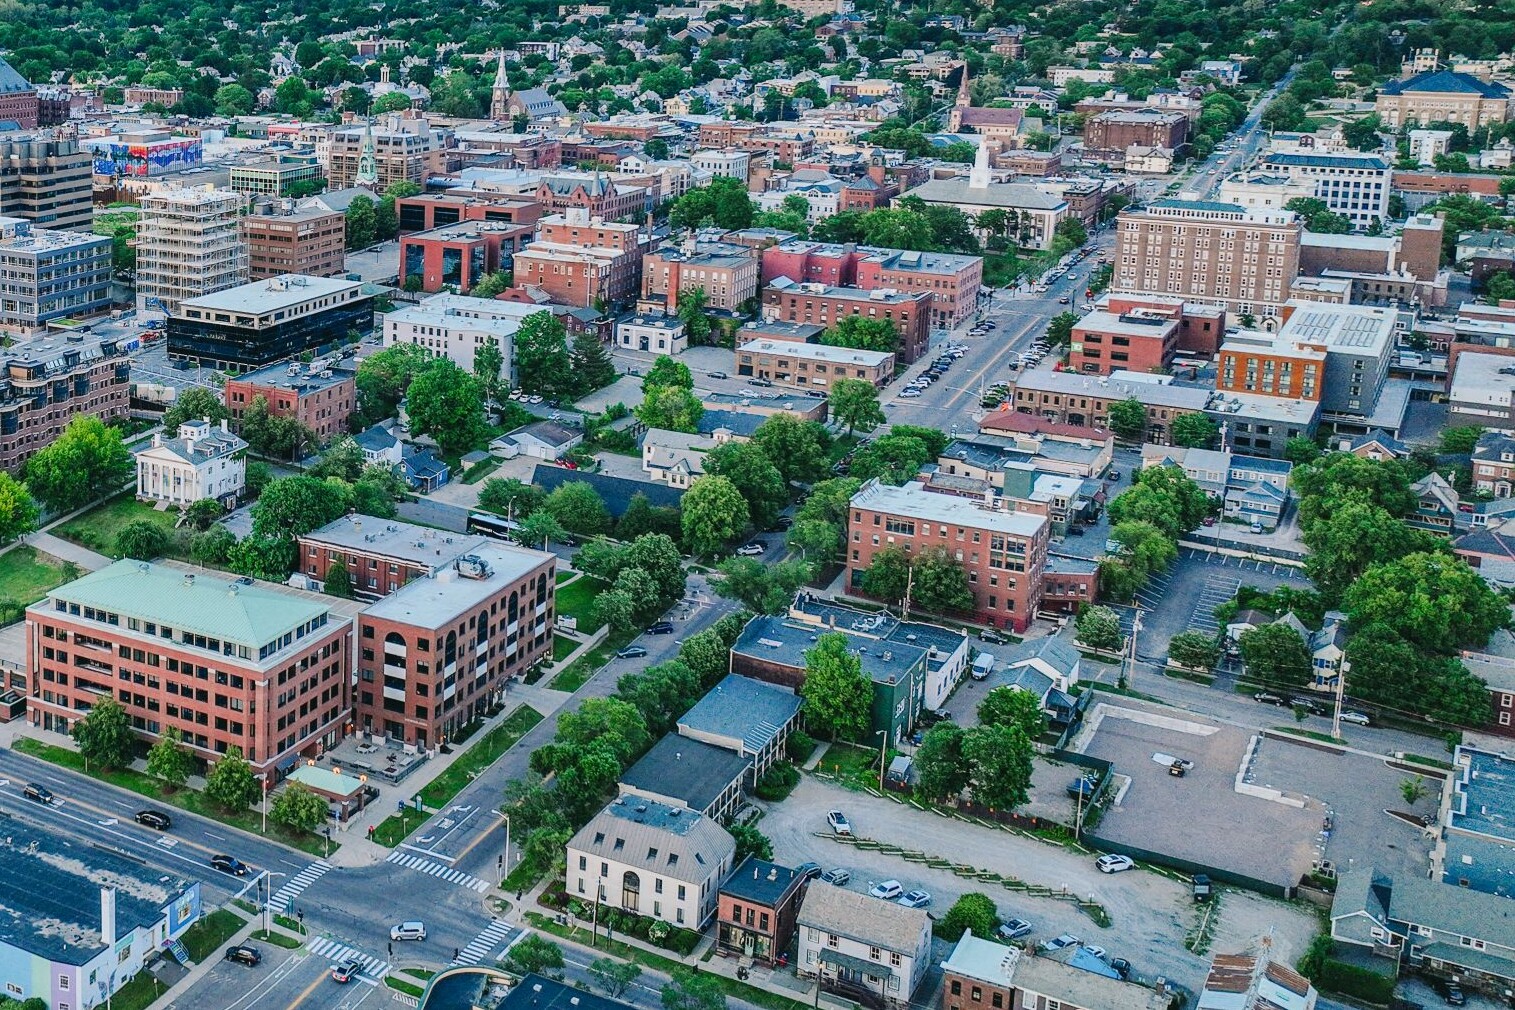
(838, 695)
(1011, 706)
(86, 462)
(104, 735)
(298, 807)
(231, 782)
(854, 402)
(974, 913)
(715, 514)
(447, 404)
(1276, 654)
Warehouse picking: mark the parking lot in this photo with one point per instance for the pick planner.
(1150, 914)
(1197, 817)
(1184, 597)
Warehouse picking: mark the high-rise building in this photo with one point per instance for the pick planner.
(260, 322)
(47, 274)
(308, 241)
(188, 245)
(46, 181)
(1208, 252)
(1356, 186)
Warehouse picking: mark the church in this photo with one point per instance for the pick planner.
(1006, 127)
(533, 103)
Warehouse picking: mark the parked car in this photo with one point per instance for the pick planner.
(992, 636)
(718, 375)
(888, 890)
(808, 870)
(244, 953)
(1013, 929)
(1122, 967)
(1114, 862)
(345, 971)
(1098, 952)
(154, 819)
(1357, 718)
(1177, 769)
(229, 864)
(40, 793)
(1256, 527)
(1269, 698)
(839, 822)
(915, 899)
(1452, 993)
(909, 393)
(838, 876)
(631, 652)
(661, 628)
(411, 929)
(751, 550)
(1063, 300)
(1059, 942)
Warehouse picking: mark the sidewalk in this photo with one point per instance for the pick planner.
(63, 550)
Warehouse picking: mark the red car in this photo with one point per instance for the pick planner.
(570, 464)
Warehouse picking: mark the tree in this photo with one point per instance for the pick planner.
(212, 547)
(1300, 450)
(707, 656)
(231, 782)
(691, 311)
(972, 913)
(750, 842)
(1012, 706)
(1194, 649)
(1412, 789)
(362, 220)
(454, 95)
(193, 404)
(796, 446)
(862, 333)
(488, 363)
(299, 808)
(667, 371)
(201, 513)
(942, 770)
(591, 363)
(1354, 537)
(394, 101)
(1460, 440)
(1433, 601)
(142, 539)
(715, 514)
(533, 953)
(1071, 230)
(1318, 217)
(382, 379)
(854, 402)
(233, 100)
(1276, 654)
(671, 408)
(724, 203)
(761, 588)
(104, 735)
(939, 582)
(1099, 628)
(86, 462)
(1128, 419)
(693, 990)
(292, 506)
(1165, 497)
(887, 576)
(1194, 431)
(18, 512)
(757, 479)
(168, 760)
(1362, 134)
(838, 695)
(509, 497)
(338, 580)
(1001, 757)
(614, 976)
(893, 459)
(539, 529)
(447, 404)
(578, 508)
(1060, 334)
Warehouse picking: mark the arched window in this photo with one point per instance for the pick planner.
(631, 892)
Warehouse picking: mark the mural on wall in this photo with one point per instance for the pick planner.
(115, 158)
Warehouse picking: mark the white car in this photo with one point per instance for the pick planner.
(750, 550)
(1357, 718)
(888, 890)
(915, 899)
(909, 393)
(839, 822)
(1114, 863)
(1098, 952)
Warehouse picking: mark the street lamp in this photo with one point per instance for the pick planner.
(1341, 687)
(1130, 666)
(883, 753)
(268, 898)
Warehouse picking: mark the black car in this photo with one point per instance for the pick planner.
(1452, 993)
(808, 870)
(243, 953)
(661, 628)
(41, 794)
(1268, 698)
(631, 652)
(229, 864)
(154, 819)
(990, 635)
(1121, 967)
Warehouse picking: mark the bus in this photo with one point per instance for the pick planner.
(491, 525)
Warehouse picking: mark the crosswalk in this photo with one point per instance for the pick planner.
(297, 884)
(441, 870)
(485, 942)
(373, 968)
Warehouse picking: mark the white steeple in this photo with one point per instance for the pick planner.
(978, 178)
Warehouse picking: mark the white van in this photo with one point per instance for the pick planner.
(983, 666)
(413, 930)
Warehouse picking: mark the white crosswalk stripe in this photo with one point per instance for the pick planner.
(484, 943)
(297, 884)
(442, 870)
(373, 968)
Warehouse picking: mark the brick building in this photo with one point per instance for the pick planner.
(435, 654)
(578, 258)
(595, 194)
(18, 98)
(458, 255)
(227, 663)
(1003, 552)
(41, 391)
(425, 211)
(953, 281)
(1442, 96)
(822, 305)
(1107, 135)
(728, 274)
(1200, 327)
(399, 146)
(308, 241)
(381, 555)
(811, 366)
(1142, 340)
(47, 181)
(319, 397)
(1071, 400)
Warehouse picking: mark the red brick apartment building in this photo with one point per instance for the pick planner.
(578, 258)
(1004, 553)
(596, 194)
(953, 281)
(381, 555)
(826, 306)
(1143, 334)
(435, 654)
(227, 663)
(425, 211)
(320, 398)
(40, 392)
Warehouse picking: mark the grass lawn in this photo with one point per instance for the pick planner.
(98, 528)
(139, 993)
(562, 646)
(577, 600)
(400, 985)
(184, 799)
(277, 939)
(26, 574)
(206, 936)
(855, 766)
(393, 829)
(440, 790)
(481, 470)
(565, 576)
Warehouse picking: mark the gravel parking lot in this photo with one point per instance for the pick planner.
(1150, 913)
(1197, 816)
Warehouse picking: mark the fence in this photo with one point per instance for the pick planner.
(1202, 541)
(1190, 867)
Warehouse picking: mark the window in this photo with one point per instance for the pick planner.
(873, 953)
(976, 995)
(957, 988)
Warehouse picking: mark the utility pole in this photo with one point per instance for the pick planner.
(1341, 687)
(1136, 627)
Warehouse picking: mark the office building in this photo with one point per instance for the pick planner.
(731, 164)
(680, 772)
(1442, 96)
(42, 389)
(47, 275)
(435, 654)
(1263, 191)
(1355, 186)
(1141, 340)
(456, 326)
(728, 274)
(229, 663)
(316, 395)
(1215, 253)
(1003, 552)
(393, 150)
(381, 556)
(279, 176)
(826, 306)
(1481, 390)
(1108, 135)
(188, 244)
(811, 366)
(598, 195)
(1337, 355)
(582, 260)
(1083, 402)
(954, 281)
(256, 324)
(458, 255)
(200, 461)
(425, 211)
(289, 240)
(46, 181)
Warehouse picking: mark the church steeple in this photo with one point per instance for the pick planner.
(499, 102)
(964, 101)
(368, 163)
(978, 176)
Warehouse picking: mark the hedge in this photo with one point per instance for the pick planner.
(1352, 980)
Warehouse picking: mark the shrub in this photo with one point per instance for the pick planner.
(799, 746)
(778, 782)
(1352, 980)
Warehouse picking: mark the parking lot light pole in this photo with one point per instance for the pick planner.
(1136, 627)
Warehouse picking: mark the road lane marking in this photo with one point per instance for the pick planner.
(306, 994)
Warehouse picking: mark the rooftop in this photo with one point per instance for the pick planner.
(818, 352)
(263, 297)
(1257, 407)
(1159, 394)
(679, 768)
(799, 332)
(301, 379)
(740, 708)
(783, 641)
(888, 296)
(471, 580)
(1445, 82)
(912, 500)
(1483, 797)
(50, 893)
(616, 492)
(1354, 329)
(1361, 162)
(958, 189)
(999, 965)
(395, 538)
(668, 841)
(760, 881)
(857, 916)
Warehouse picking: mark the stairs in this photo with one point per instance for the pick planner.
(180, 954)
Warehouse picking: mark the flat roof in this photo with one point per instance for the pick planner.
(783, 641)
(326, 780)
(818, 352)
(1352, 329)
(1131, 324)
(1487, 794)
(259, 297)
(1256, 407)
(1481, 378)
(740, 708)
(1159, 394)
(761, 881)
(448, 318)
(911, 499)
(301, 380)
(439, 598)
(395, 538)
(50, 893)
(684, 769)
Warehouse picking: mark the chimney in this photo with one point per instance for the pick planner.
(108, 915)
(672, 298)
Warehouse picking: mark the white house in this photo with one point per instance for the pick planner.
(650, 859)
(203, 461)
(543, 440)
(859, 945)
(675, 458)
(658, 334)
